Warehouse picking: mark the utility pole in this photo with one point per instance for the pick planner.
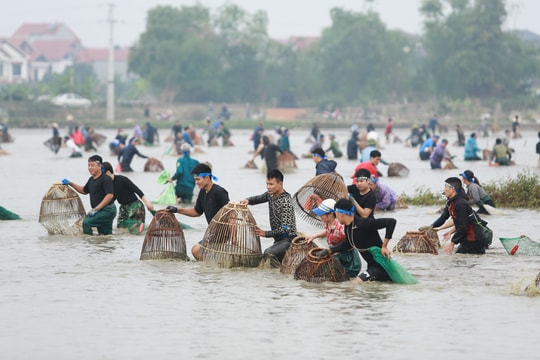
(110, 75)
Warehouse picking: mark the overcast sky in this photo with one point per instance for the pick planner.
(87, 18)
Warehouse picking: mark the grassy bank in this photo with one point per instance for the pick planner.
(520, 192)
(42, 114)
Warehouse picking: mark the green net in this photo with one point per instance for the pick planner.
(167, 196)
(5, 214)
(522, 245)
(163, 177)
(397, 273)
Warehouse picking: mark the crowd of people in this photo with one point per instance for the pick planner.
(351, 223)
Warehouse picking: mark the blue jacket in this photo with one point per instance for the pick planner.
(471, 147)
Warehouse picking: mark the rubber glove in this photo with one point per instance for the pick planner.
(65, 182)
(425, 228)
(172, 209)
(92, 212)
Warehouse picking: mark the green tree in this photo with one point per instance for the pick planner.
(468, 54)
(244, 47)
(360, 58)
(179, 53)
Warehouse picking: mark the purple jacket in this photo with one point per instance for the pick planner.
(386, 197)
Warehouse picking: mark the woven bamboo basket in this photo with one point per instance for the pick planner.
(164, 238)
(397, 169)
(417, 242)
(230, 240)
(98, 138)
(295, 254)
(286, 162)
(315, 270)
(313, 192)
(153, 165)
(62, 210)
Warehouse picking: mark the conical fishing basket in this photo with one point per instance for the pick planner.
(416, 242)
(523, 246)
(433, 237)
(397, 169)
(5, 214)
(230, 240)
(164, 238)
(286, 161)
(62, 210)
(295, 254)
(313, 192)
(153, 165)
(327, 268)
(99, 139)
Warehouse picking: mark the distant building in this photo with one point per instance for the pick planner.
(14, 63)
(52, 48)
(99, 60)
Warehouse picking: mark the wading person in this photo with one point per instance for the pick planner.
(469, 238)
(335, 235)
(475, 191)
(269, 152)
(386, 197)
(281, 212)
(126, 155)
(101, 190)
(131, 214)
(363, 234)
(360, 194)
(185, 182)
(210, 200)
(322, 164)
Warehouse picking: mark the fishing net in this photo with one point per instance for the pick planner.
(54, 144)
(99, 139)
(286, 161)
(418, 242)
(397, 169)
(313, 192)
(295, 254)
(327, 268)
(167, 196)
(153, 165)
(61, 211)
(5, 214)
(522, 245)
(164, 238)
(230, 240)
(397, 273)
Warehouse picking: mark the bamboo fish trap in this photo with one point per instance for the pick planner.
(230, 240)
(313, 192)
(426, 242)
(164, 238)
(295, 254)
(62, 210)
(286, 161)
(153, 165)
(315, 270)
(397, 169)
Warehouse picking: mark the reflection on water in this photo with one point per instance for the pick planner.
(90, 297)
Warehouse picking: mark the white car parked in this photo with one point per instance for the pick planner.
(71, 100)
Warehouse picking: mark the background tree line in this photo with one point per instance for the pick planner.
(193, 54)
